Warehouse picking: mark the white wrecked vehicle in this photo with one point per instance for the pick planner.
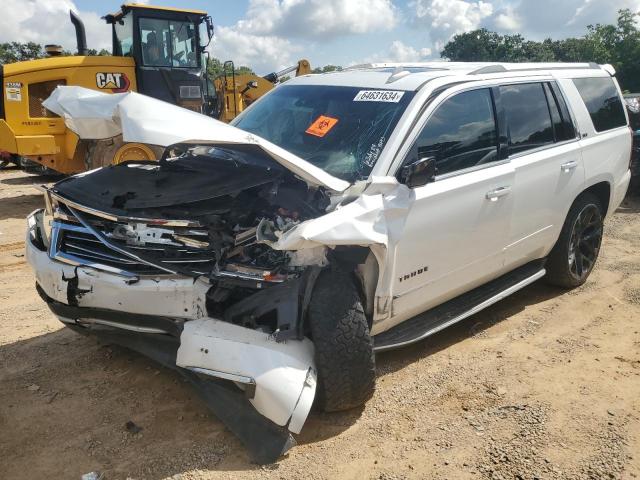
(348, 213)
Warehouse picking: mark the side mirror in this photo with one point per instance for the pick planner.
(419, 173)
(209, 23)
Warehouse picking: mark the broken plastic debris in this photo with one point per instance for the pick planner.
(279, 379)
(92, 476)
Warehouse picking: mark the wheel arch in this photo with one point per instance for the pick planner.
(602, 190)
(364, 265)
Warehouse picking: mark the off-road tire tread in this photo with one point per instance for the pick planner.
(557, 267)
(343, 346)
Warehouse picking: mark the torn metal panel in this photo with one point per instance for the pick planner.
(95, 115)
(282, 374)
(374, 219)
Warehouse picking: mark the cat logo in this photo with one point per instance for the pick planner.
(116, 82)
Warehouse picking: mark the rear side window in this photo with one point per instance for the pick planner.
(601, 97)
(563, 128)
(528, 116)
(461, 133)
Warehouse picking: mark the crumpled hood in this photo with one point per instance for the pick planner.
(95, 115)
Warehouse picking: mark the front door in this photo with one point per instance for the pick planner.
(457, 227)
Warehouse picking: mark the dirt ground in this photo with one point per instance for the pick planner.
(545, 384)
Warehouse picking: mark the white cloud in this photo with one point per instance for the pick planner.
(263, 54)
(399, 52)
(47, 21)
(273, 30)
(446, 18)
(318, 19)
(507, 19)
(567, 18)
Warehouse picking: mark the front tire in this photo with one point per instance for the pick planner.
(575, 253)
(343, 346)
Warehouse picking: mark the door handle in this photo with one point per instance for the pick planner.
(494, 195)
(567, 167)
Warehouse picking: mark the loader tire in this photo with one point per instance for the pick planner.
(343, 346)
(102, 153)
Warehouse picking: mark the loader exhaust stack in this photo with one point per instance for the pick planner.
(81, 36)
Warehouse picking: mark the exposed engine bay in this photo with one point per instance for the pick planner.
(201, 212)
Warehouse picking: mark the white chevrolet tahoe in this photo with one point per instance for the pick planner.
(340, 215)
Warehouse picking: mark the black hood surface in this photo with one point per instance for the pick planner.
(190, 178)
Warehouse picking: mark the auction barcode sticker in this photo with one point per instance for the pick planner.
(390, 96)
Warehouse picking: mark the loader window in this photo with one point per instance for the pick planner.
(124, 36)
(183, 36)
(168, 43)
(38, 93)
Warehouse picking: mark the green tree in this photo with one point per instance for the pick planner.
(327, 68)
(215, 68)
(11, 52)
(617, 44)
(95, 53)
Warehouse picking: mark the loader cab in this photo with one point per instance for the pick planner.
(168, 48)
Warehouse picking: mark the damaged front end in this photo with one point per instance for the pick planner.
(177, 252)
(207, 260)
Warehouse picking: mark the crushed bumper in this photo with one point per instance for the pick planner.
(164, 317)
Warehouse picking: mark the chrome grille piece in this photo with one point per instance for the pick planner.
(128, 248)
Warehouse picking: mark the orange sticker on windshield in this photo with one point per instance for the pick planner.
(321, 126)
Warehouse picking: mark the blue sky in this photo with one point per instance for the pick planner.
(270, 34)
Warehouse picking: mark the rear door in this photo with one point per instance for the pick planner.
(545, 153)
(455, 231)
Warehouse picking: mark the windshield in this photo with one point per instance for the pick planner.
(339, 129)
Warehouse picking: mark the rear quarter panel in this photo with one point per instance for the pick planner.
(605, 154)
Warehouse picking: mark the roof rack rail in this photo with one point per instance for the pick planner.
(500, 68)
(489, 69)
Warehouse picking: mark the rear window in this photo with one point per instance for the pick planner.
(601, 97)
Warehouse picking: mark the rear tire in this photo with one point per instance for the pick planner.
(343, 346)
(575, 253)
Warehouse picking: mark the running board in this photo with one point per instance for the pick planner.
(459, 308)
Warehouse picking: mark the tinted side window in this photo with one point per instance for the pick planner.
(461, 133)
(528, 116)
(563, 128)
(600, 95)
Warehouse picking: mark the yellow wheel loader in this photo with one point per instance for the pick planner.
(236, 91)
(157, 51)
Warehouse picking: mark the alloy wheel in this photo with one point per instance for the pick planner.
(586, 238)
